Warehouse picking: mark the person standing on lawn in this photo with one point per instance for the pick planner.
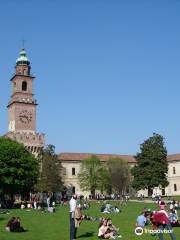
(72, 206)
(160, 221)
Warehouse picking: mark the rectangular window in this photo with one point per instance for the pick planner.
(73, 171)
(174, 170)
(175, 187)
(163, 191)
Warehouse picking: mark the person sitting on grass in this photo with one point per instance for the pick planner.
(103, 231)
(141, 220)
(176, 205)
(113, 228)
(51, 209)
(103, 207)
(14, 225)
(23, 206)
(173, 218)
(106, 231)
(116, 209)
(106, 208)
(85, 205)
(9, 224)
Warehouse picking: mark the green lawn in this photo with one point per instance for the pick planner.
(45, 226)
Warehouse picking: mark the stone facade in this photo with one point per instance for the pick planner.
(173, 175)
(22, 108)
(71, 163)
(33, 141)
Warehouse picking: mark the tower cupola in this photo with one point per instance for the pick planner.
(22, 59)
(23, 65)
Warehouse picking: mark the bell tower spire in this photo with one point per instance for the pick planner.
(23, 63)
(22, 106)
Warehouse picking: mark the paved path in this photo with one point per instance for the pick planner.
(146, 201)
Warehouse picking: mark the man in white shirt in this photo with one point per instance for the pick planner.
(72, 206)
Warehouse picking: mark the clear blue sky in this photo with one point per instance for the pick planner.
(107, 72)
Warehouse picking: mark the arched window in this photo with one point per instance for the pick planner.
(24, 86)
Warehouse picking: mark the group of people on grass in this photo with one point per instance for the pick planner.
(14, 224)
(112, 196)
(106, 229)
(160, 220)
(109, 208)
(174, 204)
(37, 205)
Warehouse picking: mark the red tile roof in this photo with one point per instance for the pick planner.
(105, 157)
(102, 157)
(173, 157)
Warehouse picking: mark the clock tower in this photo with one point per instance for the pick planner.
(22, 107)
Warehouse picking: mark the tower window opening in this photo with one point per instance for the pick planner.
(24, 86)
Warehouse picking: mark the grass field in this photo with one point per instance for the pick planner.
(45, 226)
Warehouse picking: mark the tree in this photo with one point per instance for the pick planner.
(50, 171)
(119, 174)
(152, 167)
(18, 168)
(104, 180)
(93, 175)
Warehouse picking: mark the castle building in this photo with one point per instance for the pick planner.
(71, 162)
(22, 107)
(22, 128)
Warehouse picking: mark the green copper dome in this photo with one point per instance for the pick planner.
(22, 59)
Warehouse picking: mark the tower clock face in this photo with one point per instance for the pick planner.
(25, 116)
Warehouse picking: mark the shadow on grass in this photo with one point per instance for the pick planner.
(86, 235)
